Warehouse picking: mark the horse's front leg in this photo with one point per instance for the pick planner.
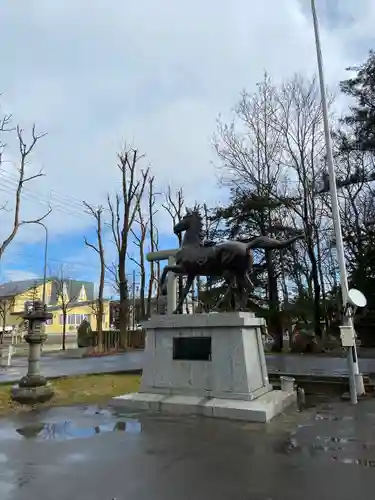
(173, 269)
(189, 282)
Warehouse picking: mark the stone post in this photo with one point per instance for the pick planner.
(33, 387)
(171, 288)
(171, 281)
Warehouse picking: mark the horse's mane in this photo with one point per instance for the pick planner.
(195, 212)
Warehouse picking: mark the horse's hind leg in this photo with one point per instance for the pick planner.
(243, 291)
(230, 285)
(249, 284)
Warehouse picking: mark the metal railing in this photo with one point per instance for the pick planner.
(116, 341)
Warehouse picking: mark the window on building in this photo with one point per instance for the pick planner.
(74, 319)
(82, 294)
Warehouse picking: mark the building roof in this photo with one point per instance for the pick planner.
(13, 288)
(76, 304)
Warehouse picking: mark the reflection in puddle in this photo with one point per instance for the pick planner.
(355, 461)
(65, 430)
(334, 418)
(333, 447)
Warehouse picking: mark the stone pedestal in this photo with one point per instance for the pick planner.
(208, 364)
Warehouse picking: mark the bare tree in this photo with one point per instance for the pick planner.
(139, 241)
(6, 305)
(25, 151)
(146, 230)
(250, 151)
(299, 122)
(153, 238)
(123, 211)
(98, 247)
(174, 205)
(65, 299)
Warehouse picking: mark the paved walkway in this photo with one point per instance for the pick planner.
(54, 366)
(303, 364)
(76, 453)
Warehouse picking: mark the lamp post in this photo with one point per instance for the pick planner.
(355, 378)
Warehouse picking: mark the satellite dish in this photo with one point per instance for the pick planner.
(356, 298)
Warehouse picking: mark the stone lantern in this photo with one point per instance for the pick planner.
(33, 387)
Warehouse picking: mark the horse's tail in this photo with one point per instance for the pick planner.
(267, 243)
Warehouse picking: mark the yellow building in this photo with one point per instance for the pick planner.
(75, 296)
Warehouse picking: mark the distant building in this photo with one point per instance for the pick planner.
(15, 295)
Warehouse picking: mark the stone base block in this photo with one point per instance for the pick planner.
(262, 409)
(32, 395)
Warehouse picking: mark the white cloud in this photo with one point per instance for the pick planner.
(92, 73)
(19, 275)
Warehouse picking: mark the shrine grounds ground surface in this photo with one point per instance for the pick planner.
(54, 366)
(326, 451)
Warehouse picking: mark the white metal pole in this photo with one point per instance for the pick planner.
(355, 379)
(171, 288)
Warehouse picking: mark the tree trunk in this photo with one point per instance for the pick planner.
(100, 306)
(4, 325)
(150, 290)
(321, 278)
(275, 327)
(99, 323)
(316, 285)
(64, 331)
(142, 296)
(124, 301)
(142, 285)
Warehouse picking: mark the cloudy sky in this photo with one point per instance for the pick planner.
(157, 73)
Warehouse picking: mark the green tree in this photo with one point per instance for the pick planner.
(361, 119)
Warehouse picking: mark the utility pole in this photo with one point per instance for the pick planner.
(355, 378)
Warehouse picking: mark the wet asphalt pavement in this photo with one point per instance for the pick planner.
(302, 364)
(326, 452)
(54, 366)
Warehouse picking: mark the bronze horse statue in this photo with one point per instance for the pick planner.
(231, 259)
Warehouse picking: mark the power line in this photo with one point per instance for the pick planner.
(57, 200)
(15, 179)
(29, 196)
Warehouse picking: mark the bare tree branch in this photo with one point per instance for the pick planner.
(25, 152)
(97, 213)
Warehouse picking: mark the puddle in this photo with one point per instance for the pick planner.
(332, 447)
(62, 431)
(68, 429)
(334, 418)
(355, 461)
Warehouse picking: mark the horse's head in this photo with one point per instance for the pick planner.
(191, 220)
